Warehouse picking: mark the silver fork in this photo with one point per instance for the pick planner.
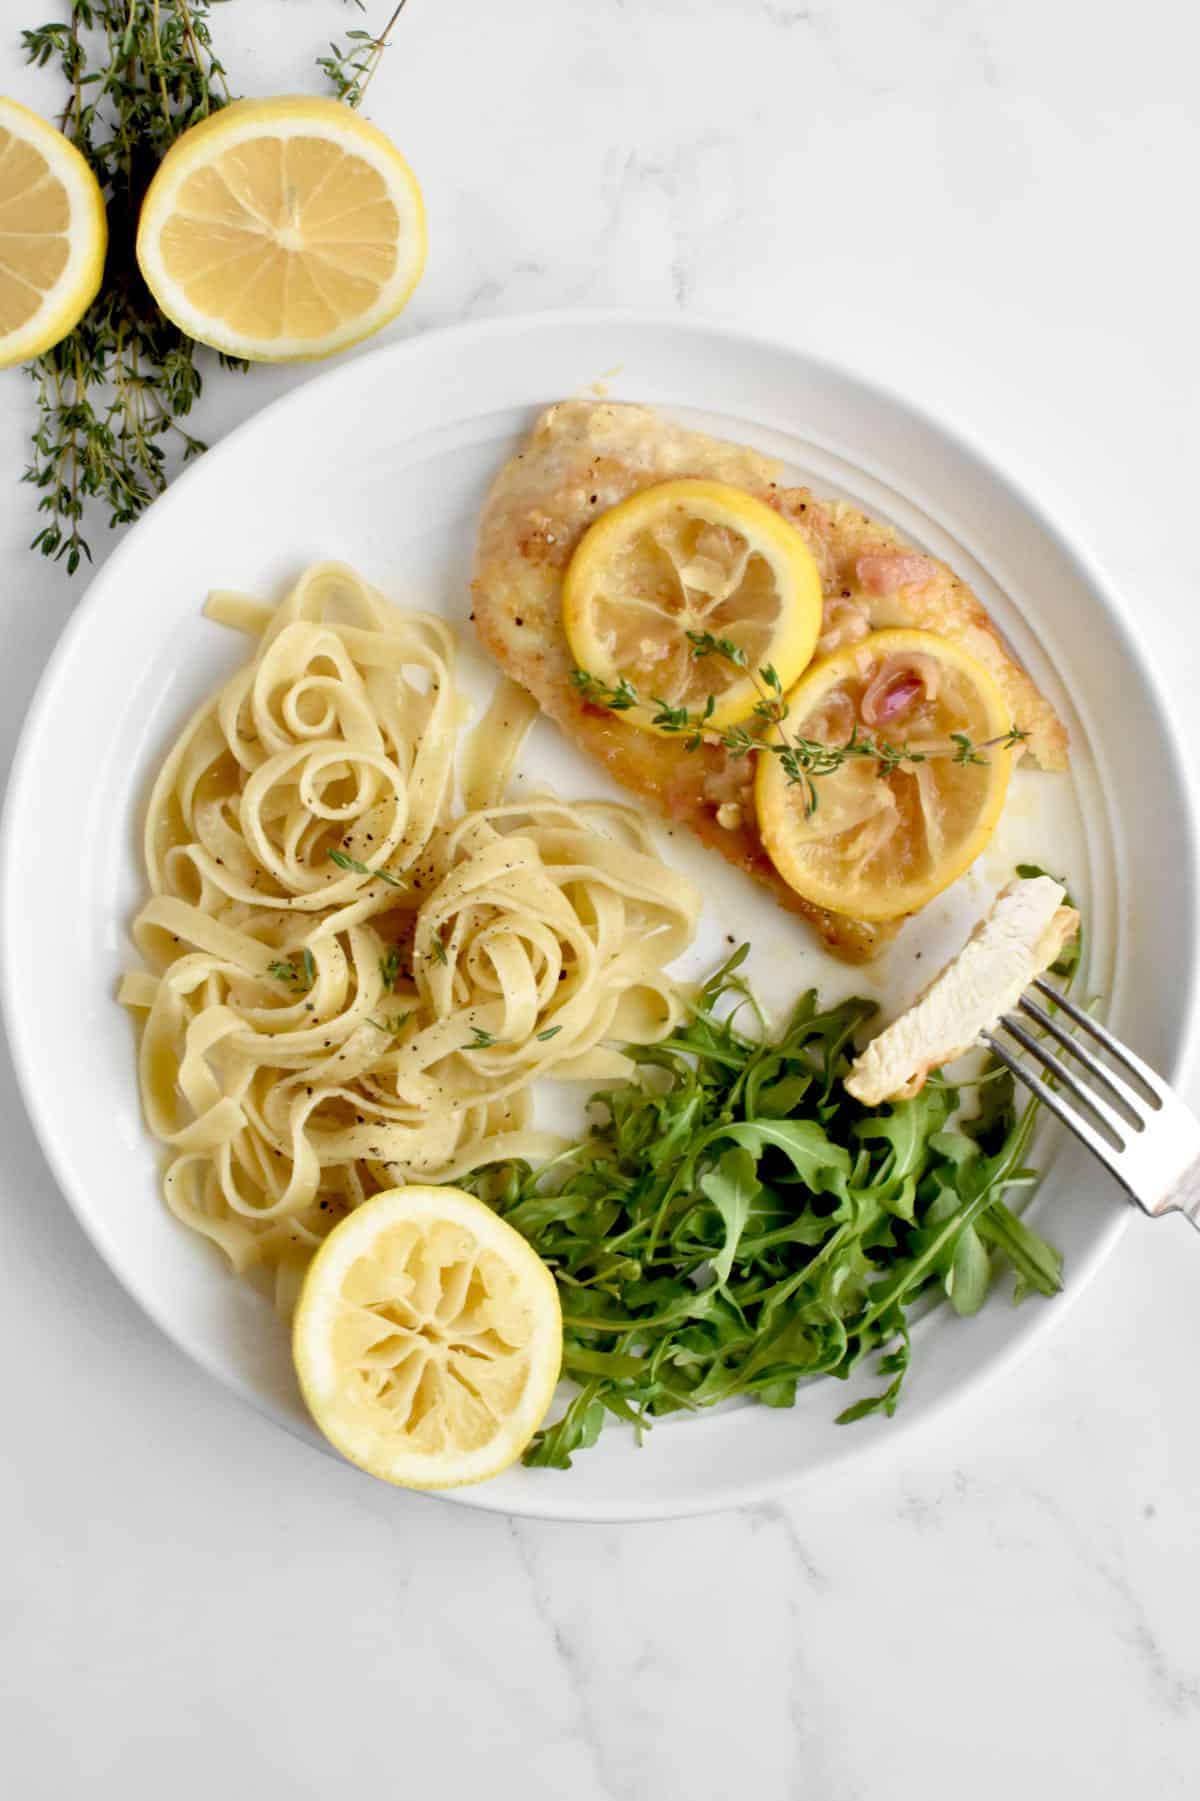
(1126, 1115)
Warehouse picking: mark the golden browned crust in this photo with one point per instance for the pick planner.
(583, 457)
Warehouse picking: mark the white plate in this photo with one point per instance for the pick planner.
(384, 462)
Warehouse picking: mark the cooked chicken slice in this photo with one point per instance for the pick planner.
(1022, 935)
(582, 458)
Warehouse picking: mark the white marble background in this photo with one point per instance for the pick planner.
(992, 208)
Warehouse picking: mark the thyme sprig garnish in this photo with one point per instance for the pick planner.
(351, 66)
(803, 760)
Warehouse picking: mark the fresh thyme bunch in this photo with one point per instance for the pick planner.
(113, 397)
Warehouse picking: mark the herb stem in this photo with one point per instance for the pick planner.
(351, 68)
(804, 760)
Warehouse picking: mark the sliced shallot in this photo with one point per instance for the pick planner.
(896, 687)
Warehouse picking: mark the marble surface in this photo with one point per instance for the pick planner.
(988, 208)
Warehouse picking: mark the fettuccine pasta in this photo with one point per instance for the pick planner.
(345, 984)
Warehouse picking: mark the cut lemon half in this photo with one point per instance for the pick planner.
(428, 1338)
(53, 235)
(691, 557)
(282, 230)
(877, 838)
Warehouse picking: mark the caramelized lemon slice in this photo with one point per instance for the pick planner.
(884, 837)
(428, 1338)
(691, 557)
(53, 235)
(282, 230)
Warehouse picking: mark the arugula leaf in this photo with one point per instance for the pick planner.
(578, 1428)
(731, 1188)
(970, 1274)
(908, 1128)
(818, 1162)
(1038, 1265)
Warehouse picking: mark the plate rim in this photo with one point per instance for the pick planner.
(722, 1494)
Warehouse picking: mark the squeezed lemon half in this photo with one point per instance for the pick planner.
(282, 229)
(882, 841)
(691, 557)
(428, 1338)
(53, 235)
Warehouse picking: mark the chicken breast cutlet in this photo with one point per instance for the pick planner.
(583, 457)
(1026, 932)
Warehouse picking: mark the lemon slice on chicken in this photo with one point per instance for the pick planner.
(428, 1338)
(691, 557)
(282, 229)
(53, 234)
(877, 838)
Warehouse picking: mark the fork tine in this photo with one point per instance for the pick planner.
(1120, 1090)
(1087, 1097)
(1074, 1122)
(1154, 1086)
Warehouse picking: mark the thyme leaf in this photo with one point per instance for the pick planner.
(352, 863)
(392, 1024)
(301, 975)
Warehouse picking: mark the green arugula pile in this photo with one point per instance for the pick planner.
(736, 1222)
